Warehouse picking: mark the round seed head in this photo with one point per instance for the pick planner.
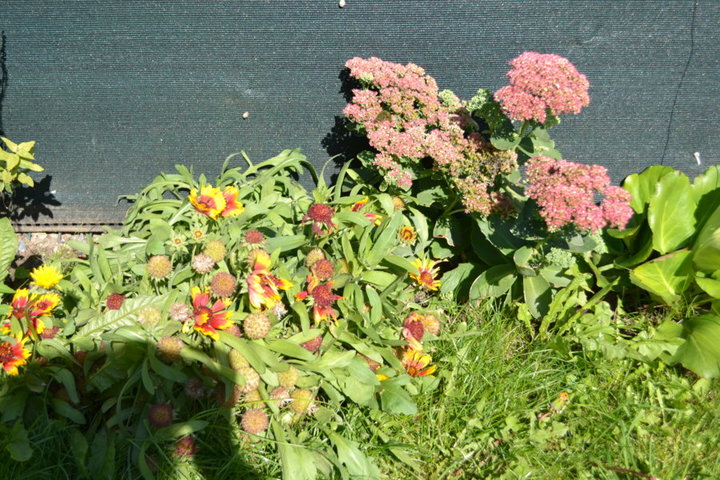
(252, 379)
(149, 316)
(280, 395)
(256, 325)
(254, 237)
(237, 361)
(216, 250)
(195, 388)
(185, 447)
(254, 421)
(169, 348)
(160, 415)
(223, 284)
(431, 323)
(302, 400)
(313, 256)
(288, 378)
(202, 263)
(323, 269)
(253, 400)
(159, 267)
(179, 312)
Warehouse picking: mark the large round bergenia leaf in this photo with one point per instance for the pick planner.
(707, 246)
(671, 214)
(642, 185)
(701, 350)
(667, 276)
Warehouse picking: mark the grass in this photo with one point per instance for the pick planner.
(496, 411)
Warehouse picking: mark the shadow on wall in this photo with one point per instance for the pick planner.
(341, 143)
(25, 202)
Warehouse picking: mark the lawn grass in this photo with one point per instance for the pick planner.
(496, 411)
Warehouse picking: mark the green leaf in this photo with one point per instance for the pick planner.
(493, 282)
(537, 294)
(286, 242)
(706, 251)
(8, 246)
(709, 286)
(642, 185)
(63, 408)
(127, 315)
(701, 350)
(667, 276)
(331, 359)
(18, 443)
(453, 279)
(395, 399)
(296, 461)
(706, 191)
(522, 258)
(351, 456)
(671, 214)
(383, 243)
(290, 349)
(181, 429)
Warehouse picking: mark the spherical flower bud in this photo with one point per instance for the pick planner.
(302, 400)
(202, 263)
(159, 267)
(216, 250)
(313, 256)
(223, 284)
(256, 325)
(179, 312)
(254, 422)
(149, 316)
(398, 203)
(251, 377)
(169, 348)
(288, 378)
(195, 388)
(323, 269)
(185, 447)
(314, 344)
(431, 323)
(254, 237)
(237, 361)
(114, 301)
(280, 395)
(253, 400)
(160, 415)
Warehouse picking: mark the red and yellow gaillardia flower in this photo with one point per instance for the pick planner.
(322, 299)
(407, 234)
(373, 217)
(209, 201)
(209, 318)
(46, 276)
(427, 271)
(416, 363)
(13, 354)
(321, 216)
(233, 207)
(263, 286)
(31, 306)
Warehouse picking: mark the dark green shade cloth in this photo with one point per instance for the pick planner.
(117, 91)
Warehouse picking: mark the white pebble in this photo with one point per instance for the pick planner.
(341, 3)
(246, 115)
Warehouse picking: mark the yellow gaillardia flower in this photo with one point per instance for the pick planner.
(46, 276)
(427, 271)
(232, 206)
(416, 363)
(210, 201)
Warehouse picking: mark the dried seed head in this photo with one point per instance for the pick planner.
(216, 250)
(302, 400)
(185, 447)
(149, 316)
(179, 312)
(169, 348)
(254, 422)
(159, 267)
(323, 269)
(160, 415)
(195, 388)
(431, 323)
(223, 284)
(254, 237)
(202, 263)
(256, 325)
(237, 361)
(313, 256)
(253, 400)
(251, 377)
(288, 378)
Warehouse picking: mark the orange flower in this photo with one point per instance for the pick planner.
(416, 363)
(32, 306)
(13, 355)
(373, 217)
(262, 285)
(232, 206)
(427, 272)
(210, 201)
(209, 319)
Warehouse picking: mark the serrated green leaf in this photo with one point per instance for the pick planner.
(667, 276)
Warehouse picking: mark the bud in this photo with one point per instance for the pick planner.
(256, 325)
(223, 284)
(288, 378)
(313, 256)
(254, 422)
(216, 250)
(114, 301)
(160, 415)
(159, 267)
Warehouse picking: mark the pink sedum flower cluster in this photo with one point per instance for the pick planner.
(542, 83)
(565, 192)
(405, 120)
